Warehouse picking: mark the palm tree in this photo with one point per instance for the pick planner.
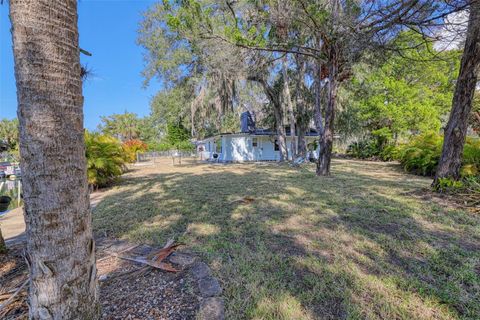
(60, 247)
(9, 133)
(128, 126)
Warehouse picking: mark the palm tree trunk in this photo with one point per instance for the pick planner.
(60, 247)
(3, 246)
(456, 130)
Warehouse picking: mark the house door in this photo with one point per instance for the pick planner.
(257, 148)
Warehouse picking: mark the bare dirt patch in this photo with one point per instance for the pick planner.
(128, 290)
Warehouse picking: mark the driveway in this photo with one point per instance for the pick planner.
(13, 224)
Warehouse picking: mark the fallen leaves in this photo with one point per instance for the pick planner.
(154, 259)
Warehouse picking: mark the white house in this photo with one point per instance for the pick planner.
(250, 144)
(245, 146)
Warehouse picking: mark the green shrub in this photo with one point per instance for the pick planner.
(472, 184)
(468, 170)
(389, 153)
(376, 145)
(422, 154)
(465, 190)
(166, 146)
(382, 137)
(448, 185)
(176, 133)
(159, 146)
(471, 157)
(363, 149)
(105, 159)
(184, 146)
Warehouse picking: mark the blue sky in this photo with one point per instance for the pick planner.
(108, 29)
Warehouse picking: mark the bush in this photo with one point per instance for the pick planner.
(422, 154)
(166, 146)
(471, 157)
(176, 133)
(105, 159)
(471, 184)
(448, 185)
(131, 147)
(376, 145)
(465, 191)
(389, 153)
(184, 146)
(159, 146)
(382, 137)
(363, 149)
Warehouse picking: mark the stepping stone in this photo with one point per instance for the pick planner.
(182, 259)
(200, 270)
(211, 309)
(209, 287)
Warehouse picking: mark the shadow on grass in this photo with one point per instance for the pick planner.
(290, 245)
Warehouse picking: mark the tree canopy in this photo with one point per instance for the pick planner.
(299, 53)
(410, 92)
(9, 134)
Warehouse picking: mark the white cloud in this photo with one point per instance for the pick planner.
(452, 34)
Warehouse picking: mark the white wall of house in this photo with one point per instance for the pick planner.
(238, 148)
(245, 147)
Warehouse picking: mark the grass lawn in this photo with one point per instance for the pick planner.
(367, 243)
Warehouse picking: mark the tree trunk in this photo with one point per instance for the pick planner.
(456, 129)
(192, 119)
(302, 124)
(3, 246)
(281, 132)
(274, 99)
(326, 136)
(288, 101)
(60, 247)
(302, 144)
(317, 114)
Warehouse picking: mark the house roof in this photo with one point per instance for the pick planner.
(264, 132)
(269, 132)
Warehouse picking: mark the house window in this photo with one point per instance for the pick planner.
(277, 147)
(254, 142)
(218, 146)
